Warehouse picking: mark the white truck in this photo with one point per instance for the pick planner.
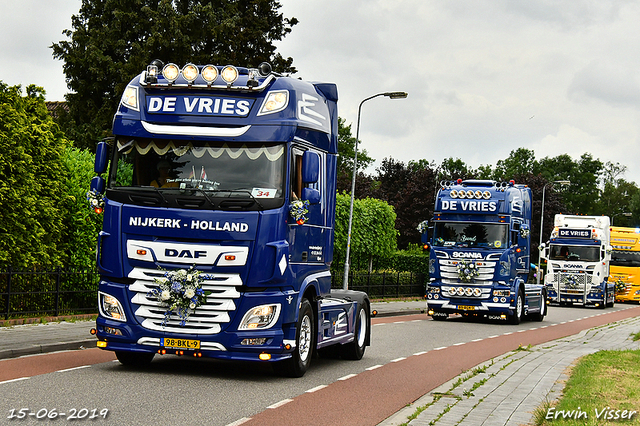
(578, 254)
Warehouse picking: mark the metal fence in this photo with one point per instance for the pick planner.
(48, 291)
(65, 291)
(384, 285)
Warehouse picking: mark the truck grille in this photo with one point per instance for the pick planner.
(572, 283)
(449, 272)
(207, 319)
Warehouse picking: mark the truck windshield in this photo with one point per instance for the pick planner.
(465, 234)
(625, 258)
(575, 253)
(256, 171)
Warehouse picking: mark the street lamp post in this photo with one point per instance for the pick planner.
(390, 95)
(563, 183)
(625, 214)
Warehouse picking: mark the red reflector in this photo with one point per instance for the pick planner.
(141, 252)
(230, 257)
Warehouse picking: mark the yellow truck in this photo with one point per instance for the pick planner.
(625, 263)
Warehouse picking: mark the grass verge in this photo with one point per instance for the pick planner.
(603, 389)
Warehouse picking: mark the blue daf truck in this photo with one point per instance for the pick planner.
(479, 248)
(218, 191)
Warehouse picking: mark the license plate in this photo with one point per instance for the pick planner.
(466, 308)
(180, 343)
(573, 292)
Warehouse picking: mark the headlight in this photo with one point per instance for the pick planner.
(130, 98)
(260, 318)
(274, 102)
(110, 307)
(432, 266)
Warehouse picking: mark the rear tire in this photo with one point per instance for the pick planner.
(300, 359)
(539, 316)
(355, 350)
(604, 300)
(135, 359)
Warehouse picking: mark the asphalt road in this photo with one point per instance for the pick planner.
(409, 356)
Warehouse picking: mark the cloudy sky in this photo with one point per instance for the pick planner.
(484, 77)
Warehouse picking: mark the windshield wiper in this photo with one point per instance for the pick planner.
(203, 193)
(157, 191)
(245, 191)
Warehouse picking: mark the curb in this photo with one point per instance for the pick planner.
(50, 347)
(44, 320)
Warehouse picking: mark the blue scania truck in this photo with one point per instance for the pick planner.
(479, 248)
(218, 191)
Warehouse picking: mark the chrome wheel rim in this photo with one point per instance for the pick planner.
(304, 343)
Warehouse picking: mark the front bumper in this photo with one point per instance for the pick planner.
(278, 343)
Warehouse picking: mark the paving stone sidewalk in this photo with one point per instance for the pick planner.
(506, 390)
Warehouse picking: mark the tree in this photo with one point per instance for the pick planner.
(582, 195)
(520, 162)
(372, 232)
(553, 204)
(31, 176)
(616, 194)
(82, 224)
(451, 170)
(114, 40)
(346, 151)
(411, 190)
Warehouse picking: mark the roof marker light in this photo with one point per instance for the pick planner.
(274, 102)
(130, 98)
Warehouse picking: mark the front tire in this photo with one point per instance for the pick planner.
(517, 313)
(355, 350)
(300, 359)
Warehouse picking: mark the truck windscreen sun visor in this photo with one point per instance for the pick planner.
(216, 168)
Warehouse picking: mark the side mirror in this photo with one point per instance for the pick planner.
(525, 231)
(97, 184)
(312, 195)
(102, 152)
(310, 167)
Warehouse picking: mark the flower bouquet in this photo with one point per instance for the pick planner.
(96, 201)
(467, 271)
(180, 292)
(298, 210)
